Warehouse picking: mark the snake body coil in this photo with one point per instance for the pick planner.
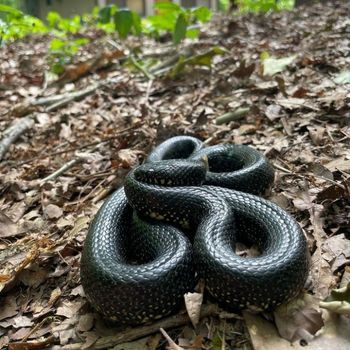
(137, 263)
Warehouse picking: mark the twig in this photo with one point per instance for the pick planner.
(13, 132)
(131, 334)
(238, 114)
(61, 170)
(72, 97)
(23, 124)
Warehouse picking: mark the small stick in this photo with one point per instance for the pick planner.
(61, 170)
(13, 132)
(231, 116)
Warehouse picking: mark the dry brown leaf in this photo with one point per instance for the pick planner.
(273, 112)
(7, 227)
(33, 276)
(298, 319)
(69, 308)
(244, 71)
(341, 164)
(317, 134)
(85, 323)
(53, 211)
(8, 307)
(193, 302)
(336, 251)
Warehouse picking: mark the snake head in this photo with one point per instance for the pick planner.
(172, 172)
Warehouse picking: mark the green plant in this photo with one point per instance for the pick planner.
(66, 25)
(62, 51)
(15, 24)
(177, 20)
(124, 21)
(264, 5)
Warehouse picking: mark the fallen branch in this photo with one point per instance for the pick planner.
(23, 124)
(131, 334)
(14, 132)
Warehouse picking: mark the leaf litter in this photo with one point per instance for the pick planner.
(278, 82)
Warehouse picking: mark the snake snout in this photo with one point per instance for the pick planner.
(172, 173)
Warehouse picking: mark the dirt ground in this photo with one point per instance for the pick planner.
(79, 136)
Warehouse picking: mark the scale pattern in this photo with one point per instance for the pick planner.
(138, 262)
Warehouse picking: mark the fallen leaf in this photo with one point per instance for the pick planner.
(272, 65)
(8, 307)
(69, 309)
(293, 103)
(343, 77)
(193, 302)
(321, 171)
(7, 227)
(336, 251)
(273, 112)
(53, 211)
(298, 319)
(22, 321)
(341, 164)
(244, 71)
(85, 323)
(316, 134)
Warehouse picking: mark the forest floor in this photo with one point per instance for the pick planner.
(80, 135)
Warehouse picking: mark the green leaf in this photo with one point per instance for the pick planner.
(105, 13)
(53, 18)
(10, 10)
(137, 23)
(192, 33)
(57, 44)
(202, 13)
(81, 41)
(123, 21)
(165, 22)
(180, 29)
(272, 65)
(343, 77)
(167, 7)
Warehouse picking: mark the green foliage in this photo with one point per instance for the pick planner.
(203, 59)
(66, 25)
(173, 18)
(15, 24)
(180, 28)
(61, 52)
(264, 5)
(124, 21)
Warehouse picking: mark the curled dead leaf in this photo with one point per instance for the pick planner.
(193, 302)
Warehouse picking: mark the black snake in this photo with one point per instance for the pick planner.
(179, 217)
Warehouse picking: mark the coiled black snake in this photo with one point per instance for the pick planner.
(137, 264)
